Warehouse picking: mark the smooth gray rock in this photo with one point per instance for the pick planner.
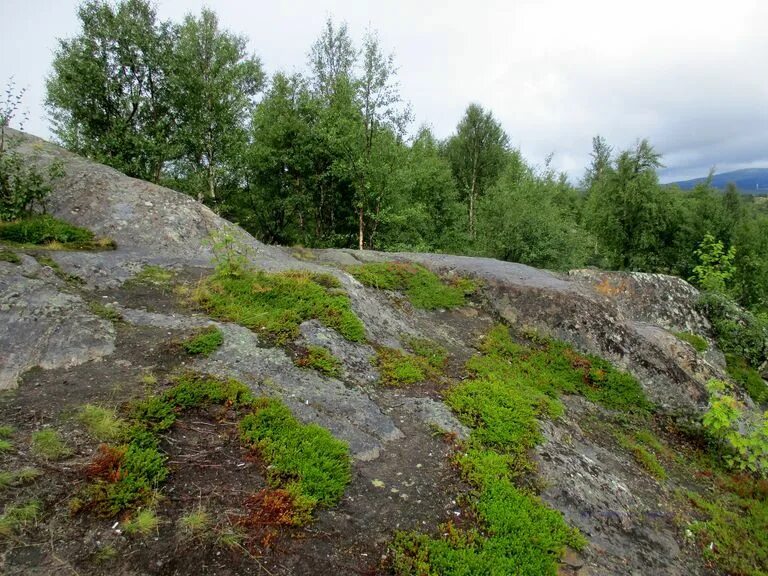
(43, 325)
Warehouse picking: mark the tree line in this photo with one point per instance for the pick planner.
(323, 158)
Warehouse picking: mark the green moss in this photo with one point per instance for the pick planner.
(48, 444)
(398, 368)
(320, 359)
(423, 288)
(431, 351)
(748, 378)
(304, 459)
(205, 342)
(276, 304)
(8, 256)
(47, 230)
(699, 344)
(105, 312)
(102, 423)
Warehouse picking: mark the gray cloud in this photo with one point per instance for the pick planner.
(687, 75)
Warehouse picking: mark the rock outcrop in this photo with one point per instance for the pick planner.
(627, 318)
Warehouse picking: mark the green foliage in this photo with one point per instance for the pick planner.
(423, 288)
(304, 459)
(45, 229)
(749, 378)
(102, 423)
(320, 359)
(428, 349)
(738, 331)
(17, 517)
(699, 344)
(715, 268)
(742, 450)
(735, 533)
(276, 304)
(11, 257)
(205, 343)
(398, 368)
(47, 444)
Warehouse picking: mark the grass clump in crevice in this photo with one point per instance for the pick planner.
(47, 444)
(398, 368)
(155, 275)
(205, 342)
(45, 260)
(17, 517)
(10, 257)
(305, 460)
(105, 312)
(699, 344)
(435, 355)
(45, 230)
(642, 455)
(276, 304)
(423, 288)
(320, 359)
(517, 533)
(102, 423)
(196, 523)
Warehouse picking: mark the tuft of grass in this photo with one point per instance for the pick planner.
(48, 444)
(699, 344)
(304, 460)
(428, 349)
(143, 523)
(149, 379)
(320, 359)
(276, 304)
(17, 517)
(231, 537)
(105, 554)
(102, 423)
(423, 288)
(18, 477)
(156, 275)
(11, 257)
(55, 234)
(749, 378)
(105, 312)
(45, 260)
(6, 431)
(205, 342)
(195, 523)
(642, 456)
(5, 446)
(398, 368)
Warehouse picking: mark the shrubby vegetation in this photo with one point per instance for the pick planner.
(322, 158)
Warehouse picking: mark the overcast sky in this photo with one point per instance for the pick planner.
(691, 76)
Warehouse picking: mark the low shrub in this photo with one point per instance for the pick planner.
(205, 342)
(320, 359)
(738, 331)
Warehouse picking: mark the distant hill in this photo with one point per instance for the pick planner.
(749, 181)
